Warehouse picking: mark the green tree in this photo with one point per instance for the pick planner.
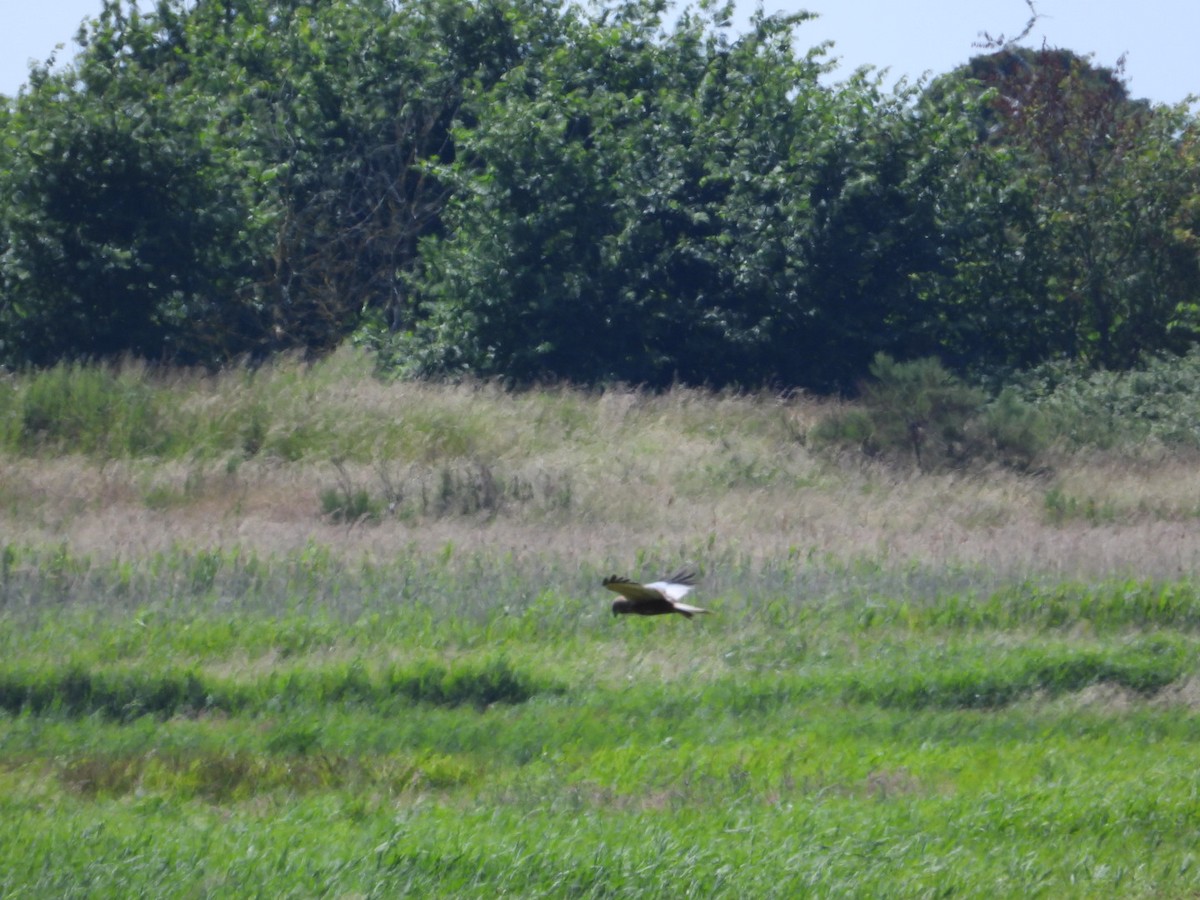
(115, 218)
(653, 205)
(1090, 250)
(346, 101)
(222, 177)
(885, 222)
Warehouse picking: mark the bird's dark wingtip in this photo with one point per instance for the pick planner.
(684, 576)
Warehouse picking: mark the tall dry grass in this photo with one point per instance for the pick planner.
(260, 459)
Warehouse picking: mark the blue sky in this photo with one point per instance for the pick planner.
(1157, 37)
(909, 38)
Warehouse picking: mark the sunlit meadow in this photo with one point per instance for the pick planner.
(299, 632)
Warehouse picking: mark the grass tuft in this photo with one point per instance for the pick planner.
(126, 694)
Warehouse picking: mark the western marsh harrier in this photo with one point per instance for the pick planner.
(657, 598)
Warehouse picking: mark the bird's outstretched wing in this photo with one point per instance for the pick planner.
(677, 586)
(632, 590)
(673, 588)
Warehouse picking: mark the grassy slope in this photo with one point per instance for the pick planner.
(954, 685)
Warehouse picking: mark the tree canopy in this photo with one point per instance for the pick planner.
(535, 190)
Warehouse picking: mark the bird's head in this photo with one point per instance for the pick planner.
(621, 605)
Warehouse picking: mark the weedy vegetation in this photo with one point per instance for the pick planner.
(300, 632)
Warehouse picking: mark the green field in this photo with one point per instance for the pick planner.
(215, 680)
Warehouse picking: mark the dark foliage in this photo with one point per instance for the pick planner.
(531, 190)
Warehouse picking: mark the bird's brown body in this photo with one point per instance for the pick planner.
(658, 598)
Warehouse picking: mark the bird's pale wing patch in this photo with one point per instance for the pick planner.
(674, 590)
(632, 590)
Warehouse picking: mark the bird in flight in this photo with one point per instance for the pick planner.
(657, 598)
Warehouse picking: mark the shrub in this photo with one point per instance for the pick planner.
(1016, 431)
(916, 408)
(919, 409)
(1159, 401)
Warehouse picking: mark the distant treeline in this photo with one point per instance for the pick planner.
(532, 190)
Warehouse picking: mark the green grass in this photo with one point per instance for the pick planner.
(214, 723)
(335, 410)
(297, 632)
